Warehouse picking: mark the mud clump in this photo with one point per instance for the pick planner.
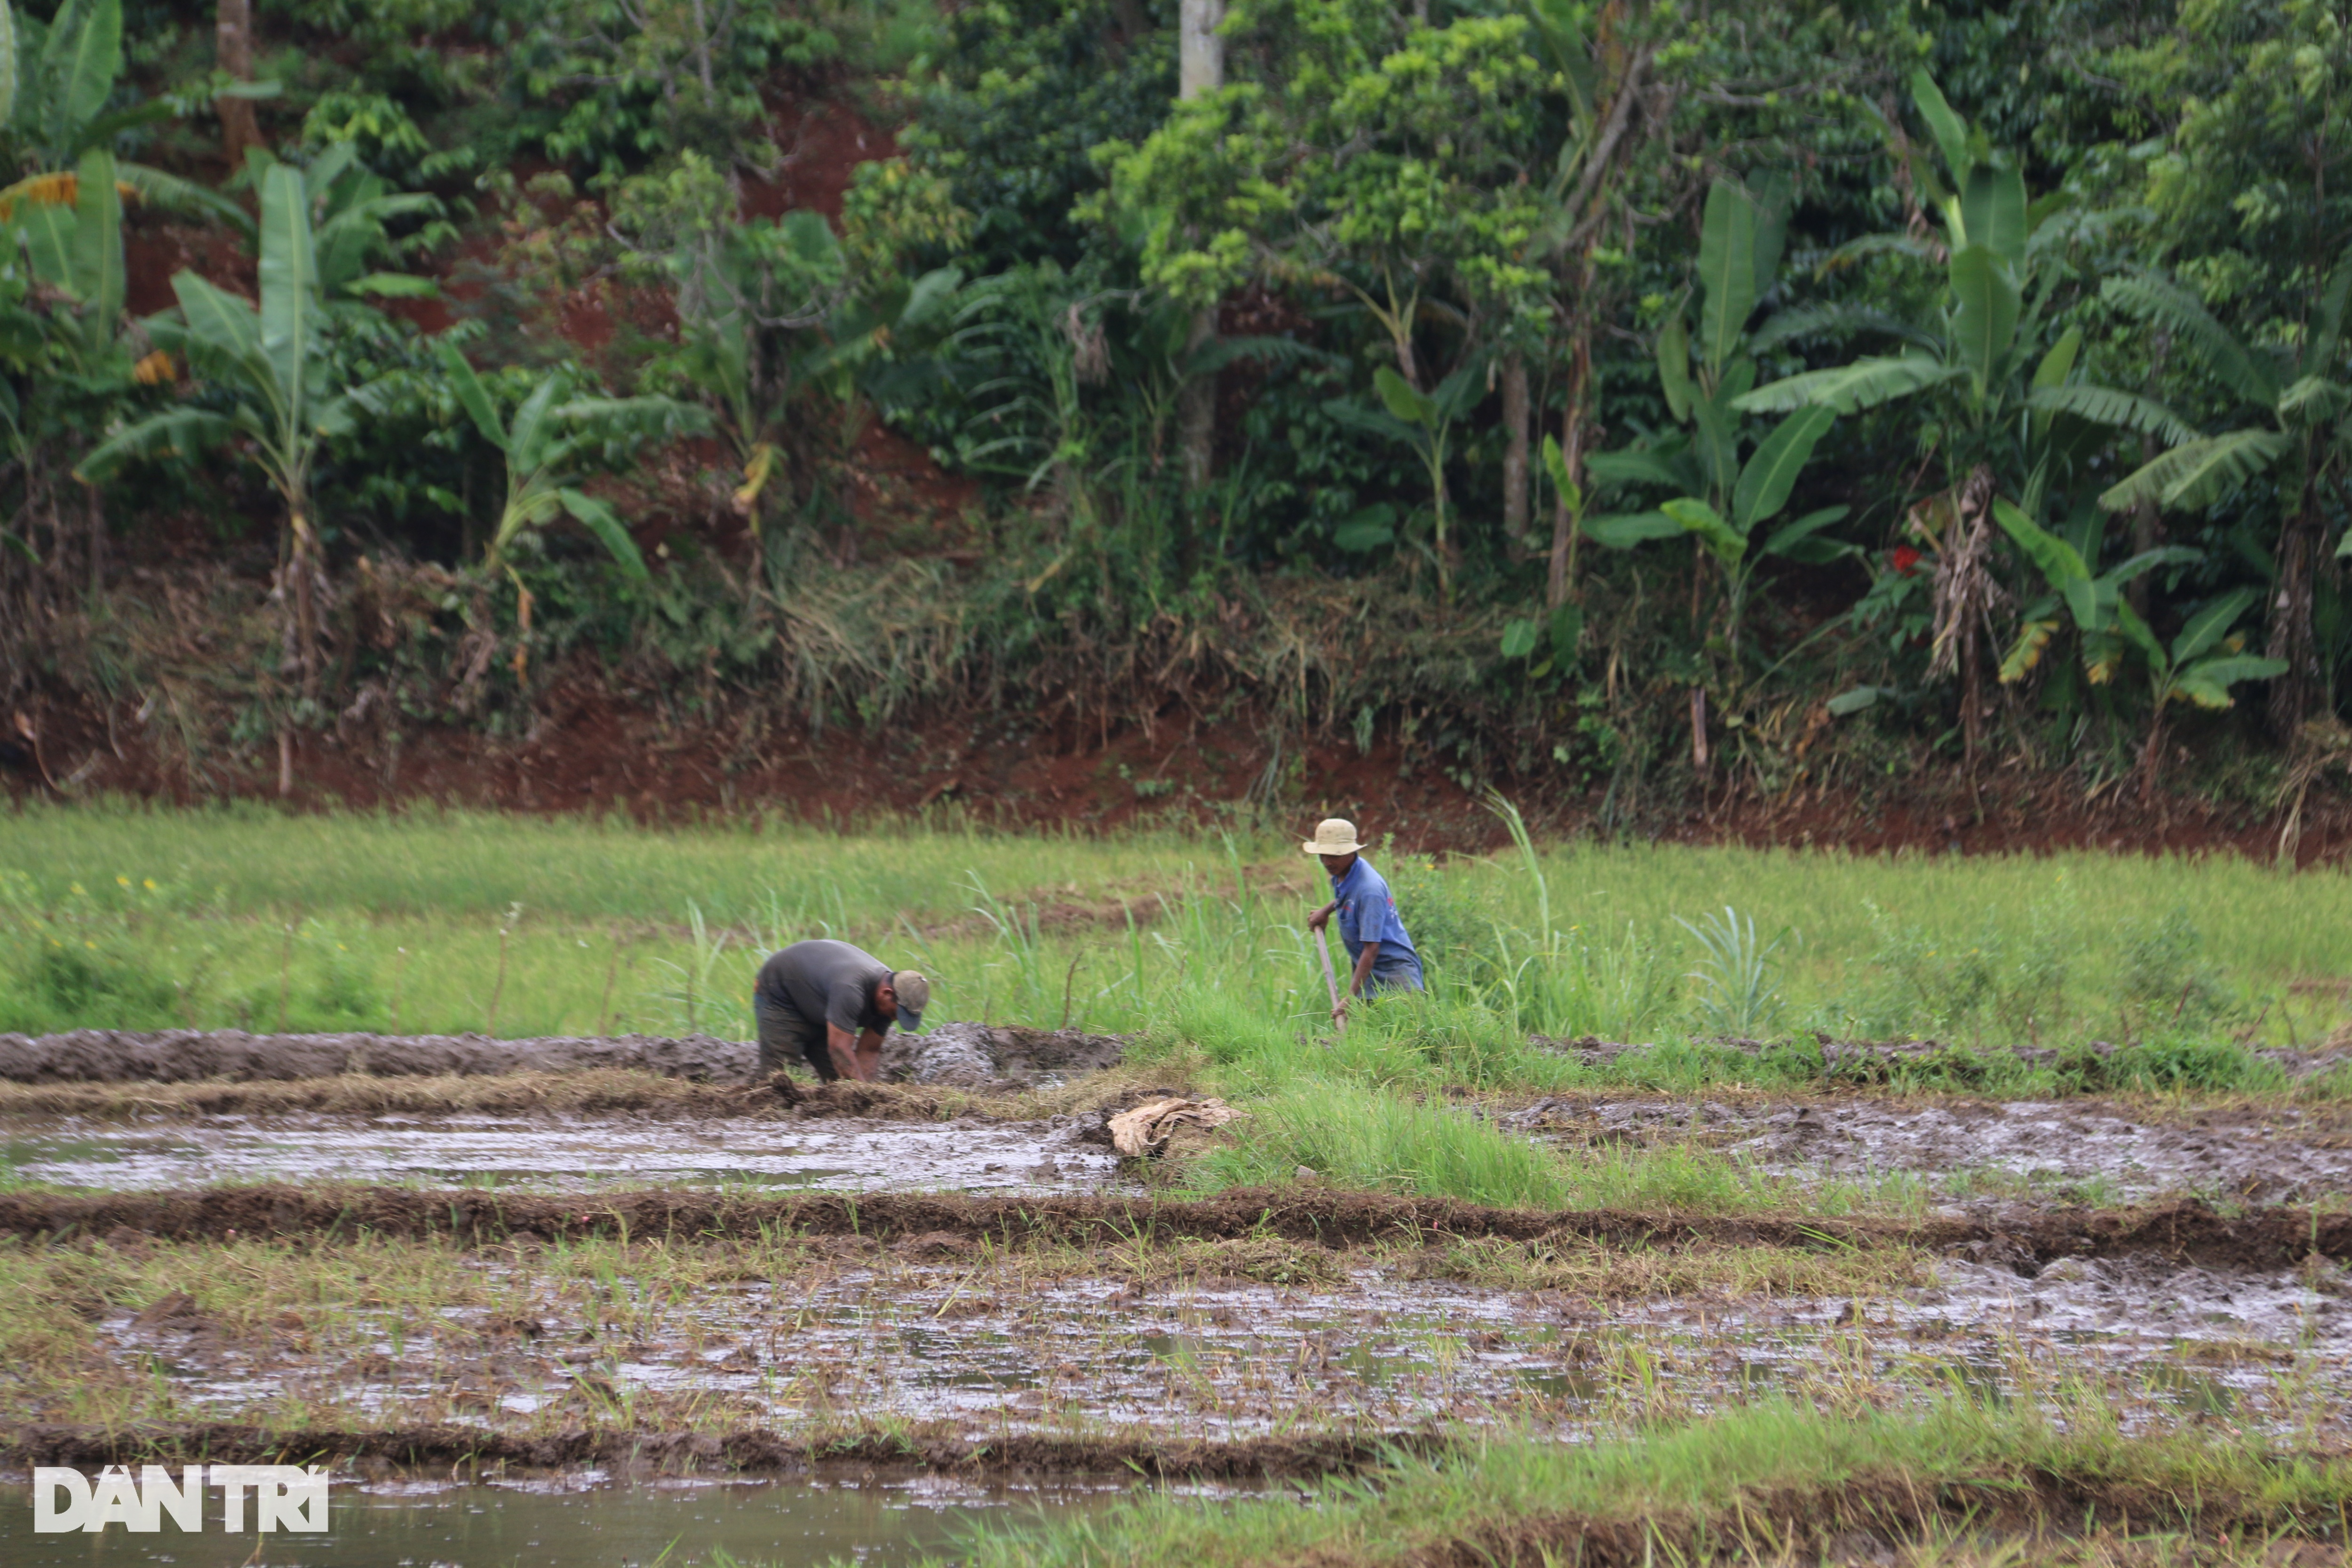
(187, 1055)
(848, 1099)
(997, 1058)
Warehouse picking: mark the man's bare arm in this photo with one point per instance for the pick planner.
(1363, 968)
(842, 1046)
(870, 1055)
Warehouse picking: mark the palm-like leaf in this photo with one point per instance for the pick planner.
(1624, 530)
(1833, 321)
(602, 520)
(86, 72)
(172, 433)
(98, 251)
(1727, 272)
(1772, 469)
(2210, 625)
(290, 314)
(2196, 473)
(8, 63)
(2184, 315)
(2105, 405)
(1864, 383)
(157, 189)
(1985, 323)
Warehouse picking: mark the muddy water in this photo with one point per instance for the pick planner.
(560, 1153)
(581, 1517)
(2069, 1151)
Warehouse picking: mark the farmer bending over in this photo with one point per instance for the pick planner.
(827, 1004)
(1378, 947)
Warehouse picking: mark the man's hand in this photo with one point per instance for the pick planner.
(855, 1056)
(1320, 918)
(1339, 1014)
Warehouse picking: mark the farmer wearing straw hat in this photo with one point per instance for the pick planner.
(827, 1004)
(1380, 952)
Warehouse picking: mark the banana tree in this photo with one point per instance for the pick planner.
(548, 445)
(272, 365)
(1423, 421)
(752, 303)
(71, 252)
(1718, 498)
(2012, 403)
(2203, 662)
(2016, 418)
(2303, 397)
(57, 115)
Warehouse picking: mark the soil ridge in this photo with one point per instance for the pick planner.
(2024, 1238)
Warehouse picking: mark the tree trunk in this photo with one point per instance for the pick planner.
(1196, 413)
(2148, 526)
(233, 48)
(92, 499)
(2290, 634)
(301, 565)
(1515, 452)
(1562, 585)
(1200, 68)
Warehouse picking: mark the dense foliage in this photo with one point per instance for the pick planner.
(1687, 390)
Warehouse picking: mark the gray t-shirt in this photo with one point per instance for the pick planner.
(826, 982)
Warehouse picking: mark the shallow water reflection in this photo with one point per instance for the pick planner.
(582, 1521)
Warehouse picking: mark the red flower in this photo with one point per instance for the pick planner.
(1905, 559)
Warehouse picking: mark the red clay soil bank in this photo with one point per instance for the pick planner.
(594, 753)
(2184, 1232)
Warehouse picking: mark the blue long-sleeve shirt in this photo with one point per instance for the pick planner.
(1367, 912)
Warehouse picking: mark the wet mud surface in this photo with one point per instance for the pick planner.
(1252, 1342)
(1989, 1154)
(540, 1154)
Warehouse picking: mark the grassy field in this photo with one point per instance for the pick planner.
(126, 916)
(1771, 1482)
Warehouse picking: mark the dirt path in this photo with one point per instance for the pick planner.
(1986, 1153)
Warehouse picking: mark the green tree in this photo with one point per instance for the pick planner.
(547, 446)
(272, 367)
(1717, 497)
(2301, 394)
(1367, 154)
(58, 113)
(2249, 206)
(2007, 414)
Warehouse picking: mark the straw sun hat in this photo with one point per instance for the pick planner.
(1333, 836)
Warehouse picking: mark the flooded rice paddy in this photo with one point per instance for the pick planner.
(986, 1339)
(936, 1334)
(2082, 1152)
(561, 1154)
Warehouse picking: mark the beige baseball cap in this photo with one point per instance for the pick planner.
(1333, 836)
(914, 995)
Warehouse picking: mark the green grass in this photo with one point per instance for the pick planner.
(1749, 1481)
(1357, 1137)
(124, 916)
